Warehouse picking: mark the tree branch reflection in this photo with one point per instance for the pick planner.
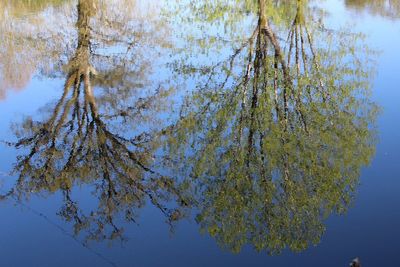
(277, 147)
(93, 140)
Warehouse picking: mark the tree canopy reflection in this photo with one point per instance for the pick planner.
(266, 147)
(387, 8)
(98, 133)
(24, 37)
(274, 138)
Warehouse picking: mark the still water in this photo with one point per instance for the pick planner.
(199, 133)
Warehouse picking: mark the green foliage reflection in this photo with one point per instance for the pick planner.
(274, 139)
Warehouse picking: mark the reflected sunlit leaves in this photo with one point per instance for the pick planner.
(268, 142)
(274, 139)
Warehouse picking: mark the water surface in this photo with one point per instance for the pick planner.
(193, 133)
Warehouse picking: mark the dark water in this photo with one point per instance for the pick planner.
(199, 133)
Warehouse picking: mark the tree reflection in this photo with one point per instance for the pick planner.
(20, 53)
(269, 145)
(38, 38)
(93, 138)
(274, 140)
(387, 8)
(22, 7)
